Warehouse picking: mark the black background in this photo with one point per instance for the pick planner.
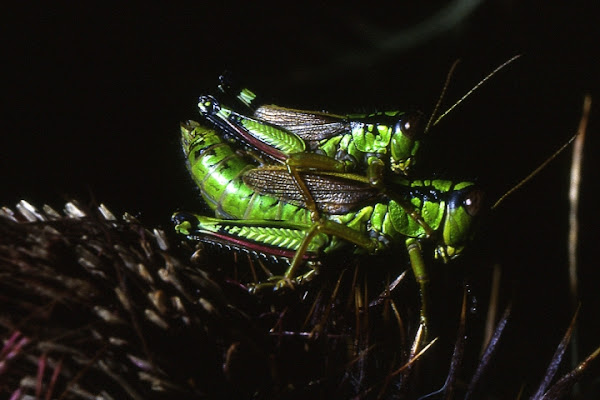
(93, 98)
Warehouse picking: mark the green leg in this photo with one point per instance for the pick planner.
(418, 266)
(315, 161)
(375, 172)
(312, 161)
(333, 229)
(289, 278)
(308, 198)
(374, 177)
(413, 212)
(317, 229)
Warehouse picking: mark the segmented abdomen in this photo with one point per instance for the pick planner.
(218, 171)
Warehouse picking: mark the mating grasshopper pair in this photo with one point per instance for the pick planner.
(331, 181)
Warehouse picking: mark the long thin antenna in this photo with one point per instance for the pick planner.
(481, 82)
(444, 88)
(534, 173)
(587, 103)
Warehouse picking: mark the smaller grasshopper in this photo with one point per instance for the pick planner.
(360, 143)
(323, 141)
(368, 145)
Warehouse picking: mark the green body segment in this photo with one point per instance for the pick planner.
(274, 224)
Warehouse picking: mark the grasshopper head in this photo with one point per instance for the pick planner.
(463, 207)
(406, 134)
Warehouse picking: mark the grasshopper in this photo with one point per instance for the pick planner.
(260, 209)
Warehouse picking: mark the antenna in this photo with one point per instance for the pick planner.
(444, 88)
(470, 92)
(582, 126)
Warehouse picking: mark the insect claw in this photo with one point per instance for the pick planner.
(282, 284)
(258, 288)
(447, 253)
(273, 284)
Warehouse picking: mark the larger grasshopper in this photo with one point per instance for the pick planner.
(262, 210)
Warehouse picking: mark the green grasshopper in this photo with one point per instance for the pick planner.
(324, 141)
(299, 139)
(261, 210)
(371, 144)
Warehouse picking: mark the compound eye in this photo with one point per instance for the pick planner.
(411, 125)
(473, 202)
